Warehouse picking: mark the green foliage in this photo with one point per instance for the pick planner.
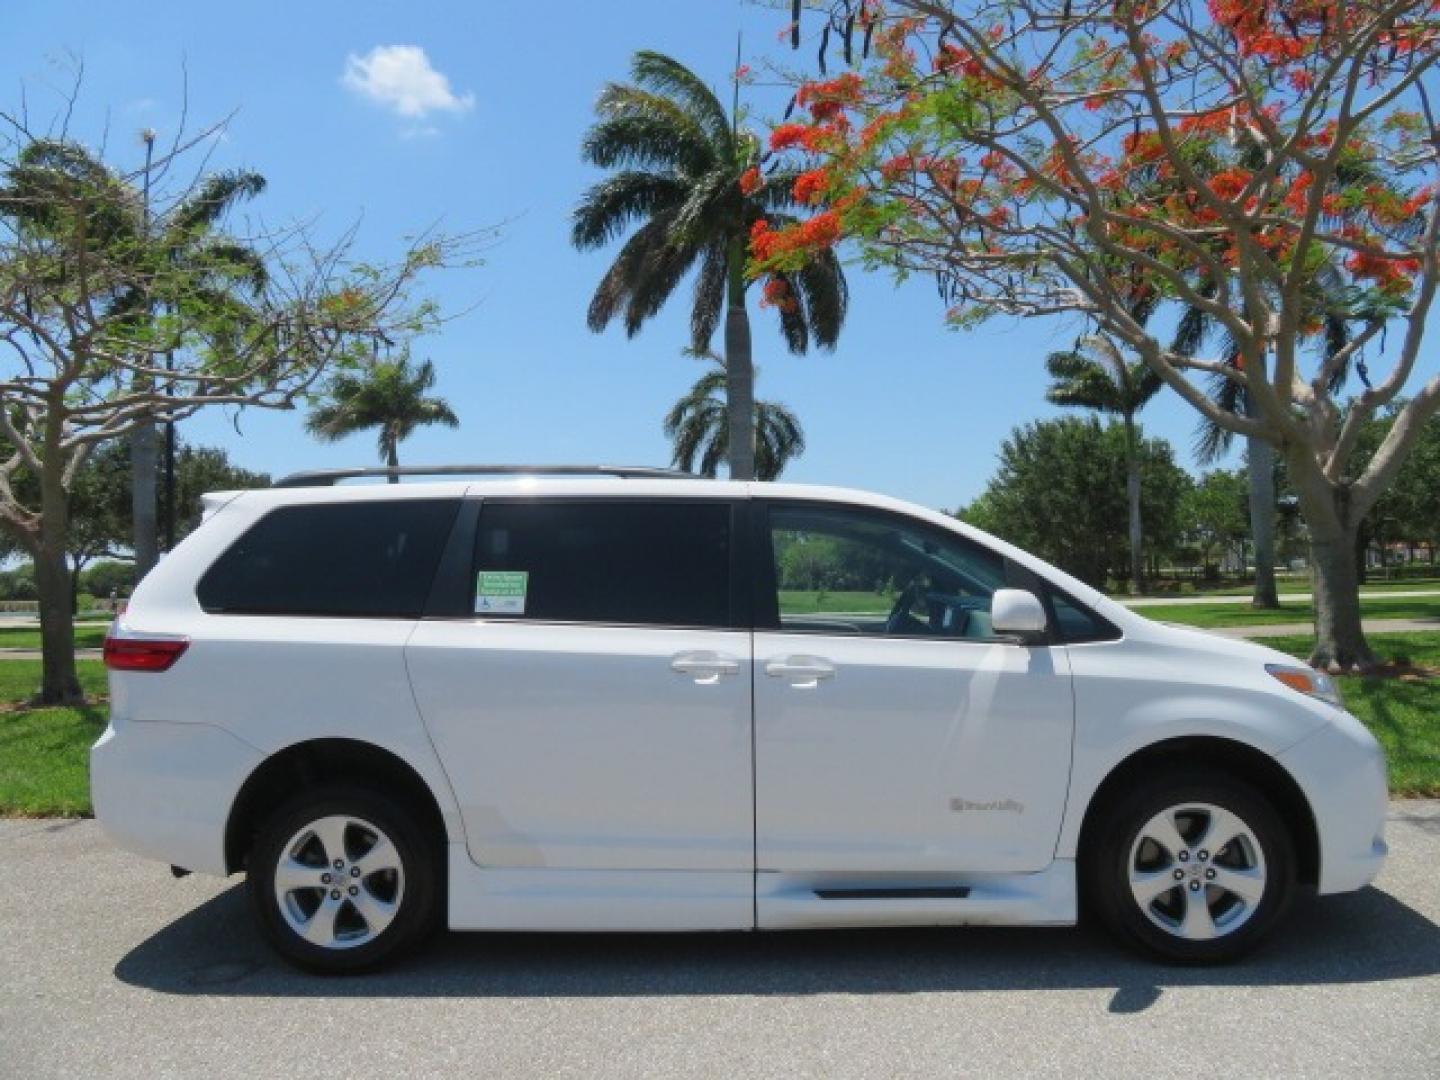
(699, 431)
(1409, 510)
(388, 395)
(676, 163)
(1059, 492)
(1215, 512)
(19, 583)
(1095, 375)
(107, 578)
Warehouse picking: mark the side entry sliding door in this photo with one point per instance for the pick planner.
(593, 710)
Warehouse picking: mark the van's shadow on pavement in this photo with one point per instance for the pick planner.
(1360, 937)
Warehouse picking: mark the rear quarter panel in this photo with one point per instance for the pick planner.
(273, 682)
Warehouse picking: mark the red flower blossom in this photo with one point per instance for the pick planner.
(810, 186)
(787, 136)
(750, 181)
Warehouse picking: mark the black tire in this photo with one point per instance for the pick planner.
(1113, 842)
(415, 888)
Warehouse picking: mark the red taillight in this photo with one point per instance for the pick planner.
(143, 654)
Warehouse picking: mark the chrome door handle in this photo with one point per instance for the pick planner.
(705, 667)
(803, 671)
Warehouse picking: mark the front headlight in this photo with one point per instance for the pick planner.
(1308, 681)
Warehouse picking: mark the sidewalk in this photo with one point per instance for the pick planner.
(1372, 626)
(1285, 598)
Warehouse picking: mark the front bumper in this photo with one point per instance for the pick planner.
(164, 790)
(1341, 769)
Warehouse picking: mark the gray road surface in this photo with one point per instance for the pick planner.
(113, 969)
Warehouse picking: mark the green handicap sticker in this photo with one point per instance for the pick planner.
(501, 592)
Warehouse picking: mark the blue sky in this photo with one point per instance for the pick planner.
(903, 405)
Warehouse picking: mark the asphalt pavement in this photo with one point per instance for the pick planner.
(113, 969)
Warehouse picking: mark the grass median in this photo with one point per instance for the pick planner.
(1209, 616)
(44, 752)
(87, 636)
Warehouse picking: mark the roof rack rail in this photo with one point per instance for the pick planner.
(330, 477)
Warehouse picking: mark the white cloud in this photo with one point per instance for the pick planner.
(400, 78)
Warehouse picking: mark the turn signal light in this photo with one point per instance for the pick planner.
(143, 654)
(1307, 681)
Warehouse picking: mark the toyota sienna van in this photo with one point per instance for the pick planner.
(609, 699)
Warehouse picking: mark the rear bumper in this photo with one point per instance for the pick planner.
(1341, 769)
(164, 790)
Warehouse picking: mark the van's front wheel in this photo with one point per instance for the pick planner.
(342, 879)
(1196, 868)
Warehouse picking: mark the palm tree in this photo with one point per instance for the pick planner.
(197, 266)
(1094, 375)
(698, 426)
(685, 175)
(387, 394)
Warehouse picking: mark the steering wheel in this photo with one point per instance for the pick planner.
(900, 621)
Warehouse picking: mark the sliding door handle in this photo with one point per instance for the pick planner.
(800, 670)
(704, 667)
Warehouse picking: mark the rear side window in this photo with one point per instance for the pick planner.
(627, 563)
(355, 559)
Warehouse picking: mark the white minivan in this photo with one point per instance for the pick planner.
(624, 699)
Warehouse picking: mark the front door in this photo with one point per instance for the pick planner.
(594, 712)
(893, 731)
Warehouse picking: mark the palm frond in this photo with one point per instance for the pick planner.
(619, 282)
(821, 281)
(1082, 382)
(709, 301)
(643, 131)
(794, 319)
(610, 205)
(668, 76)
(214, 196)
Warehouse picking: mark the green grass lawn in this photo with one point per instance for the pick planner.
(808, 602)
(87, 636)
(44, 753)
(1296, 586)
(1212, 615)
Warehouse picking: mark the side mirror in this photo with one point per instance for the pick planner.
(1017, 613)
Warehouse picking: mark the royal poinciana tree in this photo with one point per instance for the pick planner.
(1061, 157)
(104, 331)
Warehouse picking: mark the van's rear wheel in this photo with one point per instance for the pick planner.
(343, 879)
(1194, 867)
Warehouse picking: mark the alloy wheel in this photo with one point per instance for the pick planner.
(339, 882)
(1197, 871)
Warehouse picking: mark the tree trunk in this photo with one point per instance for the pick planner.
(392, 459)
(144, 468)
(1339, 636)
(1260, 460)
(59, 684)
(1132, 492)
(739, 371)
(1334, 560)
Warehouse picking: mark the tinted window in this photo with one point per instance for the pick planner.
(662, 564)
(347, 559)
(842, 571)
(1079, 625)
